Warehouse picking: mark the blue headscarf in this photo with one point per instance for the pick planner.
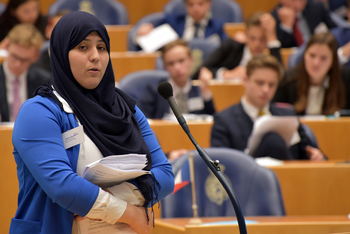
(106, 113)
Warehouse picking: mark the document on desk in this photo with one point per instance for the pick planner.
(157, 38)
(285, 126)
(115, 169)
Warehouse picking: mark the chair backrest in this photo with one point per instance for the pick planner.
(153, 18)
(201, 49)
(109, 12)
(134, 83)
(224, 10)
(310, 134)
(2, 7)
(257, 188)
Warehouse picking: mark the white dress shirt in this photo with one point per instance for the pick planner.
(190, 28)
(315, 98)
(253, 111)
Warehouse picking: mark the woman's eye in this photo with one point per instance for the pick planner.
(82, 47)
(102, 48)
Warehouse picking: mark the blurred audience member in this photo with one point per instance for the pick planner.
(317, 86)
(230, 59)
(20, 11)
(298, 20)
(18, 78)
(197, 23)
(178, 62)
(233, 126)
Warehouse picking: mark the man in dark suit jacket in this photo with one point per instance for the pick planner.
(233, 126)
(25, 42)
(229, 60)
(196, 23)
(191, 99)
(297, 20)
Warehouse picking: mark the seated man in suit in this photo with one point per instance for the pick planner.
(233, 126)
(197, 23)
(230, 59)
(18, 78)
(191, 99)
(297, 20)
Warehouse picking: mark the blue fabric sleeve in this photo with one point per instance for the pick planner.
(37, 138)
(161, 168)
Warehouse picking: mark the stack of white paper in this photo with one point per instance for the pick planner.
(115, 169)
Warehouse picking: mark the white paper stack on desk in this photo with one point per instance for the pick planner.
(115, 169)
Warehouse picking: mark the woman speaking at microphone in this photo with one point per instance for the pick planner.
(83, 98)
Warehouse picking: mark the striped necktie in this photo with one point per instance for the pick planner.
(196, 29)
(182, 102)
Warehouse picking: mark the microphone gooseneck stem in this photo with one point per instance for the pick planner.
(166, 91)
(214, 167)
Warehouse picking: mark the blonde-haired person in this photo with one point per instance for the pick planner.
(18, 77)
(178, 61)
(233, 126)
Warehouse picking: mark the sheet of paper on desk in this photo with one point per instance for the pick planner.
(285, 126)
(228, 222)
(87, 226)
(268, 162)
(157, 38)
(115, 169)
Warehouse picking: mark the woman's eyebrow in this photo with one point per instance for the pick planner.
(89, 40)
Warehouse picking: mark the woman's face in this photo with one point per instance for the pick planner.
(318, 60)
(28, 12)
(88, 61)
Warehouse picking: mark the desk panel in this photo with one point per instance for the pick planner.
(332, 135)
(265, 225)
(315, 188)
(126, 62)
(8, 181)
(118, 35)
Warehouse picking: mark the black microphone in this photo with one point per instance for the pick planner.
(166, 91)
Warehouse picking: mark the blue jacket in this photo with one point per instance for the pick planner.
(50, 192)
(177, 22)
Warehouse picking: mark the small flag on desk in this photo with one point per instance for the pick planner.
(179, 184)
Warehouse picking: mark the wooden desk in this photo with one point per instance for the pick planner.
(126, 62)
(8, 181)
(315, 188)
(265, 225)
(118, 35)
(232, 28)
(332, 135)
(225, 93)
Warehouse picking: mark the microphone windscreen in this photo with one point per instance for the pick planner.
(165, 89)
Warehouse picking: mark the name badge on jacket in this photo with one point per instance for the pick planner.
(73, 137)
(195, 104)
